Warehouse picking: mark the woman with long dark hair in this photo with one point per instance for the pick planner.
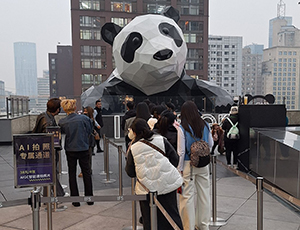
(153, 160)
(196, 180)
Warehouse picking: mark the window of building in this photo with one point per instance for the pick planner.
(294, 53)
(193, 38)
(226, 46)
(95, 22)
(290, 53)
(195, 53)
(279, 52)
(93, 51)
(121, 6)
(92, 34)
(52, 61)
(92, 63)
(284, 53)
(188, 10)
(91, 4)
(121, 21)
(92, 78)
(280, 60)
(154, 8)
(233, 53)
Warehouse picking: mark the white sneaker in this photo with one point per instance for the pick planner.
(235, 166)
(66, 194)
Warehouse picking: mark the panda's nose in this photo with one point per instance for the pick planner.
(163, 55)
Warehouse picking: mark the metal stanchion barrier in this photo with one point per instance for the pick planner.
(35, 202)
(120, 170)
(106, 163)
(215, 221)
(259, 190)
(153, 211)
(60, 165)
(105, 155)
(133, 210)
(49, 209)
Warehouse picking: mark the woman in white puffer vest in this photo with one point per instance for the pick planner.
(155, 171)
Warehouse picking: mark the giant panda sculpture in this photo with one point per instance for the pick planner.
(150, 54)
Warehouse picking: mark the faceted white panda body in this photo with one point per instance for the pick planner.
(150, 53)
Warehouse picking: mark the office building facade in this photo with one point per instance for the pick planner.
(92, 57)
(61, 73)
(25, 69)
(252, 81)
(275, 25)
(43, 92)
(281, 70)
(225, 62)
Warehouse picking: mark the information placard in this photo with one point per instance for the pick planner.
(33, 160)
(56, 135)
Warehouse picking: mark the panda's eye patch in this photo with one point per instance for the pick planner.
(169, 30)
(165, 30)
(133, 41)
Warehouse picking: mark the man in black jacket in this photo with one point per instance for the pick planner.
(130, 113)
(42, 122)
(98, 118)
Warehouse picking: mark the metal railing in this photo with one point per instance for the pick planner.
(17, 105)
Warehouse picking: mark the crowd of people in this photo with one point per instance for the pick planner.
(158, 154)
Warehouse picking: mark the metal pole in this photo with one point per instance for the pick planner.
(106, 163)
(120, 171)
(49, 209)
(104, 155)
(215, 221)
(133, 210)
(259, 189)
(153, 211)
(7, 109)
(35, 205)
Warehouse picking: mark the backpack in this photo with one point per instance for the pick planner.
(233, 132)
(199, 153)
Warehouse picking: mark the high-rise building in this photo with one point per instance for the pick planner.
(225, 62)
(281, 71)
(252, 81)
(275, 25)
(43, 91)
(92, 57)
(25, 69)
(61, 73)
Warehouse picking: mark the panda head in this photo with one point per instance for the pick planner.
(149, 52)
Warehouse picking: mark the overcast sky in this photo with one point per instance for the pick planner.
(47, 22)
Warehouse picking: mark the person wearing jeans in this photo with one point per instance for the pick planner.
(78, 129)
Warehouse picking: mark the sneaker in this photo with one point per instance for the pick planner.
(80, 174)
(90, 203)
(66, 194)
(76, 204)
(93, 154)
(99, 150)
(235, 166)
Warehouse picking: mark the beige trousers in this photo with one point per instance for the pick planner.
(195, 191)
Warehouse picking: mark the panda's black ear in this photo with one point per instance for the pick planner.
(109, 31)
(171, 12)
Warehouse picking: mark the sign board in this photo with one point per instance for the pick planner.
(56, 135)
(33, 160)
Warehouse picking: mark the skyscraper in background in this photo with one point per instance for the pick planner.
(252, 81)
(225, 62)
(25, 69)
